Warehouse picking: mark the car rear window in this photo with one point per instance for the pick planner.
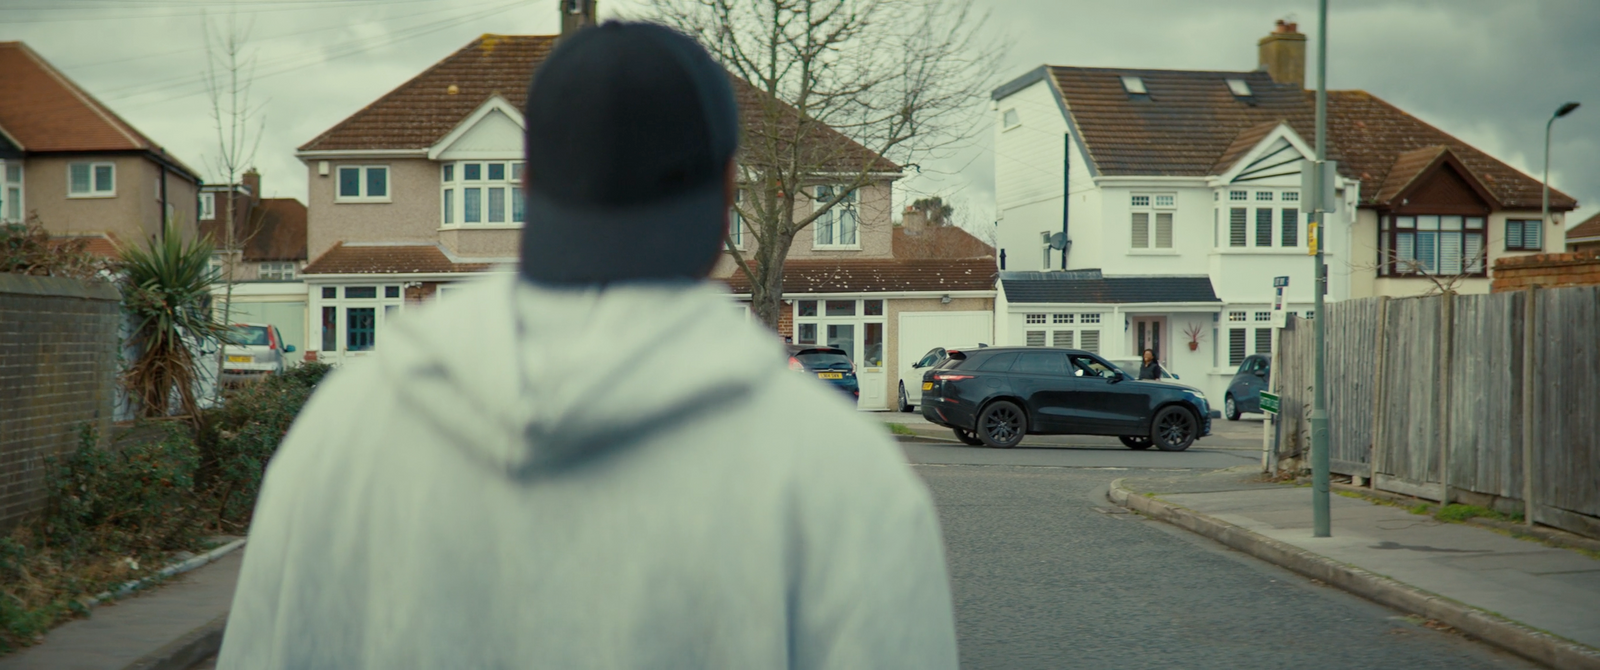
(998, 362)
(1041, 363)
(250, 336)
(822, 360)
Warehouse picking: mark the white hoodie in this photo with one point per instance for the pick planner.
(626, 478)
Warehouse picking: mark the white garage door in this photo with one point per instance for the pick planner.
(922, 331)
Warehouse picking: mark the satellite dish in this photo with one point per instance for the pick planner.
(1058, 241)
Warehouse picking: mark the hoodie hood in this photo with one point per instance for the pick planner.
(555, 377)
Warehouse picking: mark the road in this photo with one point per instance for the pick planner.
(1047, 574)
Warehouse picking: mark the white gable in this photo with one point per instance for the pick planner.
(1276, 160)
(494, 130)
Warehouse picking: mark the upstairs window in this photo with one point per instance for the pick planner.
(736, 221)
(1239, 87)
(363, 183)
(478, 193)
(11, 210)
(1267, 224)
(276, 271)
(1151, 220)
(1009, 119)
(837, 226)
(1523, 235)
(208, 206)
(1134, 85)
(91, 180)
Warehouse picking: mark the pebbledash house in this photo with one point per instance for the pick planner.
(1177, 194)
(418, 192)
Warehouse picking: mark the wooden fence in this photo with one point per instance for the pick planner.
(1427, 396)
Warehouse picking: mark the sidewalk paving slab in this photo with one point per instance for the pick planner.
(133, 630)
(1515, 593)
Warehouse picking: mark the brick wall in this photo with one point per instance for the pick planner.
(58, 366)
(1547, 271)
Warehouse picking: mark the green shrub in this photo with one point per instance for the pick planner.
(134, 501)
(246, 431)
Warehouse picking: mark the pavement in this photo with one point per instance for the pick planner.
(1534, 600)
(169, 627)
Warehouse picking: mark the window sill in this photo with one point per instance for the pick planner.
(1153, 252)
(832, 247)
(91, 196)
(480, 226)
(362, 201)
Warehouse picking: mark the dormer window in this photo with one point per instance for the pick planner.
(1133, 85)
(1240, 88)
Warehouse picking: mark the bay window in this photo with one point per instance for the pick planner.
(1431, 244)
(479, 193)
(1263, 219)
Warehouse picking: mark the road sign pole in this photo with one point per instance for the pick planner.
(1320, 522)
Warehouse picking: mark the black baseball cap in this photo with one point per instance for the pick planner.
(630, 130)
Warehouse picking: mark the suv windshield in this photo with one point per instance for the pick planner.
(250, 336)
(822, 360)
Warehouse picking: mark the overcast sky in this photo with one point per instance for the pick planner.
(1487, 71)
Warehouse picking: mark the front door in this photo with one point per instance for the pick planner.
(1149, 333)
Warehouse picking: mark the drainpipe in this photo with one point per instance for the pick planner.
(163, 215)
(1066, 196)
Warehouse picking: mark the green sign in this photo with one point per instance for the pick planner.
(1269, 403)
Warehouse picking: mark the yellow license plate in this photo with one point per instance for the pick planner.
(927, 386)
(239, 359)
(830, 375)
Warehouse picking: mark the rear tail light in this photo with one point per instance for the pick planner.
(950, 377)
(794, 364)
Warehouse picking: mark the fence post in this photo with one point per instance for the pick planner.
(1529, 313)
(1374, 455)
(1446, 334)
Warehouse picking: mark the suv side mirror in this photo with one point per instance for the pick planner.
(288, 348)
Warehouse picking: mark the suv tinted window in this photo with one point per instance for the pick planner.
(998, 362)
(819, 360)
(1089, 367)
(1041, 363)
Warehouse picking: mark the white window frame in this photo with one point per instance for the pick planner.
(833, 220)
(457, 185)
(1010, 119)
(13, 199)
(276, 271)
(1152, 206)
(383, 308)
(388, 184)
(736, 223)
(208, 206)
(93, 192)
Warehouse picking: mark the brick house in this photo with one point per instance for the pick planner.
(269, 252)
(1585, 236)
(419, 191)
(1179, 195)
(83, 171)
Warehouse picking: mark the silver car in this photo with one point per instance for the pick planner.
(254, 350)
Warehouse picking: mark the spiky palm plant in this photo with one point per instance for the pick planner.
(166, 288)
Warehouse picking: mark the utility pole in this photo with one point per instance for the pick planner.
(1319, 394)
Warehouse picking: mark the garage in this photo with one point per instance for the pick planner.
(920, 332)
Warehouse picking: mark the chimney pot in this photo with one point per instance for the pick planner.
(1283, 54)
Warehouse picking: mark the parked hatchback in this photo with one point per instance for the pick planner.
(996, 396)
(254, 350)
(911, 387)
(829, 364)
(1244, 392)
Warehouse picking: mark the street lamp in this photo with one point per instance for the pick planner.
(1565, 110)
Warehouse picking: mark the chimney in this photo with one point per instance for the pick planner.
(252, 184)
(576, 14)
(1283, 54)
(912, 221)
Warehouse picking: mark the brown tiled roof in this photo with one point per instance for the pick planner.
(878, 276)
(420, 259)
(1246, 140)
(1407, 167)
(1589, 228)
(45, 111)
(946, 242)
(422, 111)
(1191, 121)
(280, 231)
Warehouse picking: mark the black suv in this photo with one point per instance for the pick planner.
(995, 396)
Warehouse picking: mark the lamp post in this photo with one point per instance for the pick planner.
(1320, 521)
(1545, 210)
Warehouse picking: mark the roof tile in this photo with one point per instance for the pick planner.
(880, 276)
(1091, 287)
(421, 259)
(1589, 228)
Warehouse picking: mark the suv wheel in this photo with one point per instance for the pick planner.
(968, 437)
(1135, 441)
(1174, 429)
(904, 405)
(1230, 408)
(1001, 425)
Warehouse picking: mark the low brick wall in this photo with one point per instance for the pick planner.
(1546, 271)
(58, 367)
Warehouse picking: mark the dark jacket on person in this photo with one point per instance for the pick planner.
(1151, 370)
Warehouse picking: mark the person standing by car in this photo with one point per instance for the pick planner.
(520, 479)
(1150, 368)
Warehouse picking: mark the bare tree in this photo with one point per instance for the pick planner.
(835, 95)
(239, 124)
(1442, 283)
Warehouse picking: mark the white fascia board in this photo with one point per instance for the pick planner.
(1150, 181)
(495, 103)
(1035, 307)
(874, 295)
(360, 153)
(261, 288)
(399, 276)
